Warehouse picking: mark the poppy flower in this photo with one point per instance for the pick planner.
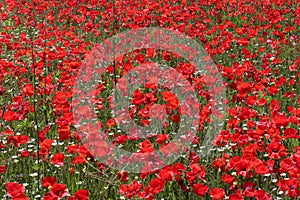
(217, 193)
(179, 168)
(2, 169)
(290, 187)
(199, 170)
(281, 120)
(10, 116)
(243, 168)
(78, 160)
(190, 176)
(175, 118)
(249, 189)
(276, 150)
(261, 169)
(261, 194)
(58, 159)
(25, 153)
(58, 191)
(287, 164)
(14, 189)
(122, 176)
(138, 97)
(28, 90)
(81, 195)
(291, 133)
(111, 122)
(171, 99)
(200, 189)
(130, 190)
(146, 146)
(161, 138)
(64, 133)
(157, 185)
(18, 139)
(227, 178)
(167, 173)
(48, 181)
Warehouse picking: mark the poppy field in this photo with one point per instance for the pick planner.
(93, 108)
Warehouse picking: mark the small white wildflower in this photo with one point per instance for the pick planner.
(33, 174)
(54, 144)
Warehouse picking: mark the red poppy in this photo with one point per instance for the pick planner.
(290, 187)
(146, 146)
(171, 99)
(200, 189)
(243, 168)
(59, 190)
(122, 176)
(261, 194)
(81, 195)
(2, 169)
(227, 178)
(157, 185)
(138, 97)
(64, 133)
(175, 118)
(14, 189)
(179, 168)
(281, 120)
(217, 193)
(28, 90)
(249, 189)
(167, 173)
(236, 196)
(78, 160)
(18, 139)
(10, 116)
(199, 170)
(242, 41)
(58, 159)
(291, 133)
(25, 153)
(287, 164)
(190, 176)
(111, 122)
(261, 169)
(130, 190)
(161, 138)
(48, 181)
(276, 150)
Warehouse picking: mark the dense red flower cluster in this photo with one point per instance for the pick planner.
(255, 45)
